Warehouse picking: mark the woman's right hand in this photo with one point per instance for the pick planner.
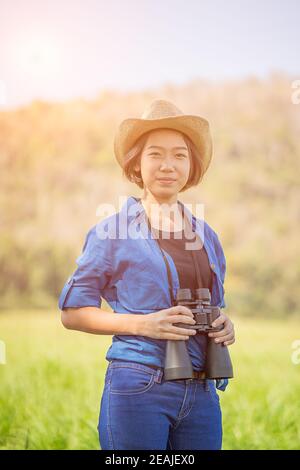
(159, 325)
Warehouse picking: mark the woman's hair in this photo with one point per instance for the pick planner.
(133, 156)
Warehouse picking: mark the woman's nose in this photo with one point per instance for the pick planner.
(167, 164)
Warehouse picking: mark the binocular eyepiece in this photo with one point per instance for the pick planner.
(178, 364)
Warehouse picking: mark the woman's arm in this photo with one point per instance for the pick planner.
(100, 322)
(157, 325)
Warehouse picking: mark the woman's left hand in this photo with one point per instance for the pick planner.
(226, 335)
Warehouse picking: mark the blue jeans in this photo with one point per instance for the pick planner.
(140, 410)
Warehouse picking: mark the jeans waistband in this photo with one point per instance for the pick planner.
(159, 371)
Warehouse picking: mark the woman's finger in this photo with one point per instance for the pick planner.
(181, 319)
(180, 310)
(182, 331)
(227, 343)
(224, 338)
(225, 331)
(220, 320)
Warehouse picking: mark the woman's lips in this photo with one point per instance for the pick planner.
(166, 181)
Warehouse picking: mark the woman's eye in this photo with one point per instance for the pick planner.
(177, 154)
(154, 153)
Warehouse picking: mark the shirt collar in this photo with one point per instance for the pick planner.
(135, 212)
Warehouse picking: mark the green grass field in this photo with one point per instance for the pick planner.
(52, 382)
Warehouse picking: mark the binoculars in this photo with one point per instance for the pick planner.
(178, 364)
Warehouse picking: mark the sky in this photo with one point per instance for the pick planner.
(60, 50)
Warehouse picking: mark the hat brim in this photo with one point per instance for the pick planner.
(195, 127)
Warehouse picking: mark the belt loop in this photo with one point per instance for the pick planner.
(206, 385)
(158, 376)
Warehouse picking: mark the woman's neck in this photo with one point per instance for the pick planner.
(165, 214)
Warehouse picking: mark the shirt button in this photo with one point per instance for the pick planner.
(212, 266)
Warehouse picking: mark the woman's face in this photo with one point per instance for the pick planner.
(165, 163)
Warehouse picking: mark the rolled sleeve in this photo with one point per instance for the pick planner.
(85, 286)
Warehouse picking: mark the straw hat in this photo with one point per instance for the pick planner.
(164, 114)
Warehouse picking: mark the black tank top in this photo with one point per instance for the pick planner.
(174, 244)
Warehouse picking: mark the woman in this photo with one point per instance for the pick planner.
(138, 274)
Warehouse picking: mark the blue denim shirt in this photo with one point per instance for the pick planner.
(122, 263)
